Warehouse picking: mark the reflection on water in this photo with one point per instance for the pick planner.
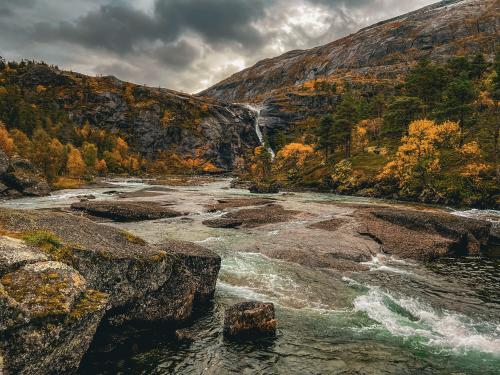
(400, 317)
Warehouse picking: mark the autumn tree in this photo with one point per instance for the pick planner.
(75, 165)
(495, 96)
(418, 159)
(6, 142)
(57, 157)
(89, 155)
(22, 143)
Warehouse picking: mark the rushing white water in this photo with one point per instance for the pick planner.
(411, 318)
(257, 111)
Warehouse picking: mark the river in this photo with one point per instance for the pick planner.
(401, 317)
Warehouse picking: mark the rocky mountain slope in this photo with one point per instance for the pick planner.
(155, 120)
(382, 51)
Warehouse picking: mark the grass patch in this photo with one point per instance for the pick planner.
(51, 244)
(68, 183)
(132, 238)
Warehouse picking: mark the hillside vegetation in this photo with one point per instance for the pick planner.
(432, 137)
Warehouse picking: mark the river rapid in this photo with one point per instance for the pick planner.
(400, 317)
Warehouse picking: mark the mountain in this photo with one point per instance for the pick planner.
(382, 51)
(155, 121)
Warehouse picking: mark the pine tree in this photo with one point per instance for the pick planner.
(401, 112)
(346, 117)
(324, 133)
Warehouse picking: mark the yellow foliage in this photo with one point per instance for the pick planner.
(167, 117)
(419, 154)
(40, 89)
(3, 90)
(475, 171)
(471, 149)
(101, 168)
(296, 151)
(75, 165)
(6, 142)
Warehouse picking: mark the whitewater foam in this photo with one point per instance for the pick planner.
(410, 318)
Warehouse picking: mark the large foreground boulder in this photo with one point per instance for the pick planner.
(19, 177)
(250, 319)
(126, 211)
(48, 313)
(423, 235)
(63, 273)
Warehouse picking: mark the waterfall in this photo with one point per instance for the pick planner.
(258, 131)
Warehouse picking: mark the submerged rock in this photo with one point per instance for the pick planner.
(252, 217)
(126, 211)
(250, 318)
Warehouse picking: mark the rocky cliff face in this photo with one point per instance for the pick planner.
(382, 51)
(154, 119)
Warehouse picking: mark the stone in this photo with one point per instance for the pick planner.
(48, 317)
(250, 319)
(224, 204)
(4, 163)
(201, 262)
(264, 188)
(23, 176)
(252, 217)
(423, 235)
(126, 211)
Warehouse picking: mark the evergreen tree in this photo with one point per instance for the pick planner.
(400, 113)
(346, 117)
(495, 95)
(457, 103)
(427, 81)
(478, 66)
(324, 133)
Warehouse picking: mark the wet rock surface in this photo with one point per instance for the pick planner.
(252, 217)
(249, 319)
(19, 177)
(126, 211)
(224, 204)
(62, 274)
(423, 235)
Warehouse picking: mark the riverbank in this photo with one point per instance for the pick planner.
(349, 298)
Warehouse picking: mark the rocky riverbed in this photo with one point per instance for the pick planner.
(360, 286)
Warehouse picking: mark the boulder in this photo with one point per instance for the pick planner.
(23, 177)
(125, 211)
(4, 163)
(203, 264)
(252, 217)
(250, 319)
(48, 317)
(264, 188)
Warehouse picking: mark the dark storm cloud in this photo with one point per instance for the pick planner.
(181, 44)
(119, 27)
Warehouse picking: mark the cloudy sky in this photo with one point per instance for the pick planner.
(185, 45)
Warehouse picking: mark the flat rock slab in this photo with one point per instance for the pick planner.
(329, 225)
(252, 217)
(224, 204)
(250, 319)
(423, 235)
(126, 211)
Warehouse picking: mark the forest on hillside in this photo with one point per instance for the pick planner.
(433, 137)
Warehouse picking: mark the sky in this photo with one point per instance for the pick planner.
(185, 45)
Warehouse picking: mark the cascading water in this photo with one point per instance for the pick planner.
(257, 111)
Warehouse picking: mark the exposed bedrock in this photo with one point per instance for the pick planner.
(126, 211)
(61, 274)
